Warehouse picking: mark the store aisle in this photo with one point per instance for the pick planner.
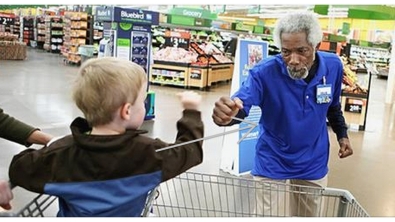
(37, 91)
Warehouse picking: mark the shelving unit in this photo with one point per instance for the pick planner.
(355, 105)
(47, 38)
(166, 73)
(76, 34)
(40, 32)
(89, 30)
(53, 34)
(28, 30)
(16, 27)
(56, 34)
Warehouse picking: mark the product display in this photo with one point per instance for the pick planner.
(355, 95)
(140, 47)
(192, 65)
(75, 35)
(40, 32)
(28, 30)
(10, 49)
(54, 34)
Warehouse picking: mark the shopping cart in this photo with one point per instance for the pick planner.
(203, 195)
(41, 203)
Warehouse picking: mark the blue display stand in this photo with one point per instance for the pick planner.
(238, 158)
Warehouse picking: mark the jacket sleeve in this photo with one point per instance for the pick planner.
(14, 130)
(29, 170)
(179, 159)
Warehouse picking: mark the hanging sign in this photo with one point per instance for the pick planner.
(7, 19)
(177, 39)
(136, 16)
(193, 12)
(104, 14)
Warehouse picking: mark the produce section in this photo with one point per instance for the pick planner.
(355, 96)
(192, 65)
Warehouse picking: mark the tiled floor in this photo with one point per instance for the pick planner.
(37, 91)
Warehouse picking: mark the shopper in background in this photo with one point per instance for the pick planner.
(16, 131)
(106, 167)
(290, 88)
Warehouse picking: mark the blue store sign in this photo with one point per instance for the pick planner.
(104, 14)
(136, 16)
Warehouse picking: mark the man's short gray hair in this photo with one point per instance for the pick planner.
(302, 21)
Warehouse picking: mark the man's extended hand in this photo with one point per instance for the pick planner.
(345, 148)
(226, 108)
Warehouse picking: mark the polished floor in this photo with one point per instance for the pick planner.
(37, 91)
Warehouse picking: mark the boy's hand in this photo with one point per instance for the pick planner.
(190, 100)
(5, 195)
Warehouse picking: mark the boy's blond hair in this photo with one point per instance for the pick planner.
(105, 84)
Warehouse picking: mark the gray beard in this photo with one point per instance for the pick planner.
(297, 75)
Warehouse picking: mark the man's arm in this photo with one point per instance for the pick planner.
(338, 124)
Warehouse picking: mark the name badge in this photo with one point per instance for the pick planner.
(324, 93)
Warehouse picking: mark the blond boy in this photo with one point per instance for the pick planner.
(107, 166)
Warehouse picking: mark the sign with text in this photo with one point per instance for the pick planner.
(193, 12)
(239, 158)
(104, 14)
(7, 19)
(177, 39)
(353, 105)
(136, 16)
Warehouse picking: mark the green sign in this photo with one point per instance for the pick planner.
(371, 12)
(193, 13)
(125, 26)
(346, 28)
(123, 42)
(243, 27)
(259, 29)
(181, 20)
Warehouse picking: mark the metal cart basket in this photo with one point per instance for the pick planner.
(35, 208)
(203, 195)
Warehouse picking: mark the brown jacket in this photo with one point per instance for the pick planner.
(85, 171)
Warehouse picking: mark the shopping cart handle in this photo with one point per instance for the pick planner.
(7, 214)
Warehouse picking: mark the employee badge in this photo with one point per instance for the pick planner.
(324, 93)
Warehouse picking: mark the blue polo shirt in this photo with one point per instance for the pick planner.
(293, 141)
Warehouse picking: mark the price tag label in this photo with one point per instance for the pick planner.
(177, 42)
(177, 39)
(6, 21)
(353, 106)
